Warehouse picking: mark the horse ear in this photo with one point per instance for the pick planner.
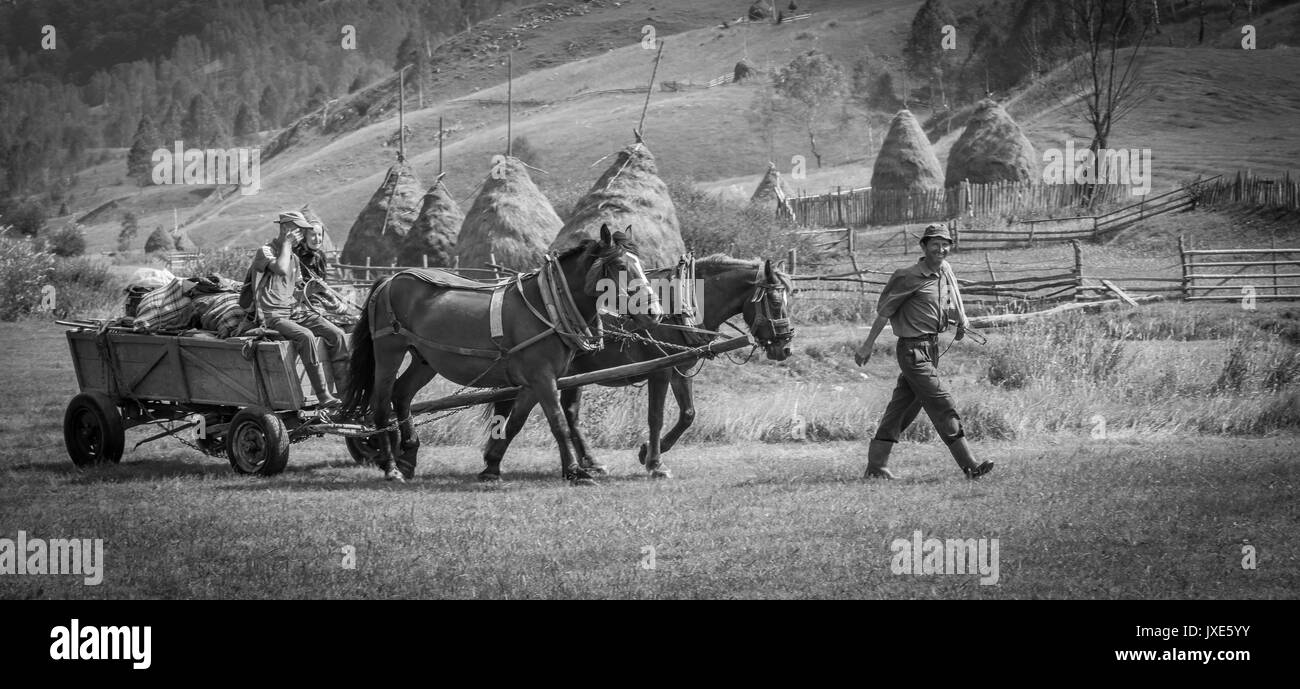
(628, 231)
(767, 270)
(605, 237)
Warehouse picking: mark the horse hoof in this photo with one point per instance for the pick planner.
(660, 472)
(640, 457)
(394, 475)
(485, 477)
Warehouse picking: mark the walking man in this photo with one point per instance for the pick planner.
(912, 303)
(278, 276)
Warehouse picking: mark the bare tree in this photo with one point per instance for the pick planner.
(1108, 38)
(811, 86)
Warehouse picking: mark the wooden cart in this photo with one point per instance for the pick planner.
(247, 399)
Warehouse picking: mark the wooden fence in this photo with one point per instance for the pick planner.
(1246, 275)
(1245, 188)
(1009, 287)
(369, 272)
(866, 206)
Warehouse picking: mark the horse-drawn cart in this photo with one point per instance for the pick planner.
(250, 397)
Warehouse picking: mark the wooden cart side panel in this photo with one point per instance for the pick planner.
(195, 370)
(91, 372)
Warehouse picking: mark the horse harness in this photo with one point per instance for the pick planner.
(562, 316)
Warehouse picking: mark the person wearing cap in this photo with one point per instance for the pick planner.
(279, 271)
(912, 304)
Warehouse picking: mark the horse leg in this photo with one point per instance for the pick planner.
(549, 396)
(650, 451)
(516, 414)
(571, 401)
(385, 378)
(417, 375)
(682, 392)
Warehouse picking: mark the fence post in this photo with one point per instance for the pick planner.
(997, 293)
(851, 240)
(839, 205)
(1272, 243)
(1182, 261)
(368, 278)
(794, 255)
(424, 258)
(1078, 270)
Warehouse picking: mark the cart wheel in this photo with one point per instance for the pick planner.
(257, 442)
(364, 451)
(92, 430)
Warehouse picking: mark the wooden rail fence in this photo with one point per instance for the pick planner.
(1246, 275)
(1245, 188)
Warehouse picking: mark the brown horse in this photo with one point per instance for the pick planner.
(730, 287)
(483, 336)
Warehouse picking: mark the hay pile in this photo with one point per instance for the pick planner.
(435, 229)
(510, 219)
(382, 225)
(772, 191)
(991, 149)
(906, 161)
(630, 193)
(758, 11)
(744, 70)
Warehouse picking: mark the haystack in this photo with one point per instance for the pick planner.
(744, 70)
(906, 161)
(382, 225)
(992, 149)
(630, 193)
(759, 11)
(772, 191)
(510, 220)
(183, 241)
(434, 232)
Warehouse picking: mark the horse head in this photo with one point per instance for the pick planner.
(617, 280)
(767, 312)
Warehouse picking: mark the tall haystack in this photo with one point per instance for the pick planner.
(629, 193)
(383, 224)
(510, 220)
(906, 161)
(434, 232)
(772, 192)
(759, 11)
(992, 149)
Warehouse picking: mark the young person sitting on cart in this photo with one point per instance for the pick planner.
(278, 273)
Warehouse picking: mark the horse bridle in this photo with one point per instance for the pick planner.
(781, 332)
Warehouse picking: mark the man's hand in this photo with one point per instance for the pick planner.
(961, 332)
(863, 353)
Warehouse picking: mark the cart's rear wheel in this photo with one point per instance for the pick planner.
(93, 430)
(257, 442)
(365, 450)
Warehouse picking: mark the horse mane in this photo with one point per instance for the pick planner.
(620, 243)
(720, 262)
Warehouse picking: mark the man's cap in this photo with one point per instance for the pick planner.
(294, 217)
(936, 230)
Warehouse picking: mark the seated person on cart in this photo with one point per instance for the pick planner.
(278, 274)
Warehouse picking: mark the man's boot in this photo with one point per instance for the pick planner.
(316, 374)
(961, 452)
(877, 457)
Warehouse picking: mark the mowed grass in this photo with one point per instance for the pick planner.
(1074, 519)
(1137, 514)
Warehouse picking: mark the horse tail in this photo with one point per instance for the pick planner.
(361, 365)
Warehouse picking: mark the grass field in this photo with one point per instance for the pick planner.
(1159, 504)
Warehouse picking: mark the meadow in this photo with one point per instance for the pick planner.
(1139, 452)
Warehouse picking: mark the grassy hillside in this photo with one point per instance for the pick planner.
(1208, 111)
